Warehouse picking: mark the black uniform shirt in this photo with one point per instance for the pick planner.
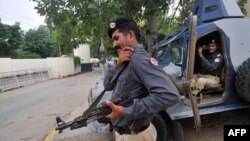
(143, 72)
(212, 64)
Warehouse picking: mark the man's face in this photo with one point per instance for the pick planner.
(212, 48)
(120, 40)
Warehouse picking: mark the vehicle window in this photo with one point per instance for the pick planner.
(211, 8)
(163, 56)
(176, 50)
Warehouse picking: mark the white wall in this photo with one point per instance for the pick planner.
(24, 64)
(5, 65)
(58, 66)
(83, 51)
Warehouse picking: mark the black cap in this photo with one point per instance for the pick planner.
(118, 23)
(212, 41)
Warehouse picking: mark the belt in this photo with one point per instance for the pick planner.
(127, 130)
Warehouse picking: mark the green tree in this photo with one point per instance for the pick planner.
(148, 11)
(242, 4)
(185, 8)
(86, 21)
(21, 54)
(40, 42)
(10, 39)
(75, 22)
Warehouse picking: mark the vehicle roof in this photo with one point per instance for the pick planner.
(211, 10)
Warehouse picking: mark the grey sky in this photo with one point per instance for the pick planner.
(21, 11)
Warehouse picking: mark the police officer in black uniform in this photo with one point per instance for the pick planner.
(211, 66)
(133, 122)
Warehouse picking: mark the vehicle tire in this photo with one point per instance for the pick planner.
(160, 126)
(242, 81)
(177, 131)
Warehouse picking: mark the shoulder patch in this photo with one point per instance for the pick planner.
(153, 61)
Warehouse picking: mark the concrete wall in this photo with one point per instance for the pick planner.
(23, 64)
(5, 65)
(83, 51)
(59, 67)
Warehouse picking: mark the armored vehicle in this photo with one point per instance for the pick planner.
(223, 21)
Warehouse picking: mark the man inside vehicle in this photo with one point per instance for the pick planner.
(210, 67)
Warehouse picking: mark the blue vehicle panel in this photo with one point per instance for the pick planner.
(219, 19)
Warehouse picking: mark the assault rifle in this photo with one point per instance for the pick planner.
(100, 111)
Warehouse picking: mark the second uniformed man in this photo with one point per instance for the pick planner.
(134, 122)
(211, 66)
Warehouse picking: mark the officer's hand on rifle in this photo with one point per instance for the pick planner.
(117, 110)
(124, 54)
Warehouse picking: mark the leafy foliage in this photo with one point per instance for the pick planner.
(21, 54)
(185, 9)
(81, 21)
(33, 44)
(242, 4)
(85, 21)
(10, 39)
(40, 42)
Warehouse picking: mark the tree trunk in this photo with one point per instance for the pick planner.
(152, 34)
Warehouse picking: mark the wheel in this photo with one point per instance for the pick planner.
(160, 126)
(177, 131)
(242, 81)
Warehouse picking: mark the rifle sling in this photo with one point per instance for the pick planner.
(118, 71)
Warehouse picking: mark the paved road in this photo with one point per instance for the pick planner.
(29, 113)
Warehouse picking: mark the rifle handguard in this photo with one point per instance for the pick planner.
(76, 123)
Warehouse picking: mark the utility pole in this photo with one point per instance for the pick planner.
(103, 53)
(60, 52)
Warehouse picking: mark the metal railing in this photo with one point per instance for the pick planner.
(15, 79)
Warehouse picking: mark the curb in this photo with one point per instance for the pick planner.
(53, 132)
(51, 135)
